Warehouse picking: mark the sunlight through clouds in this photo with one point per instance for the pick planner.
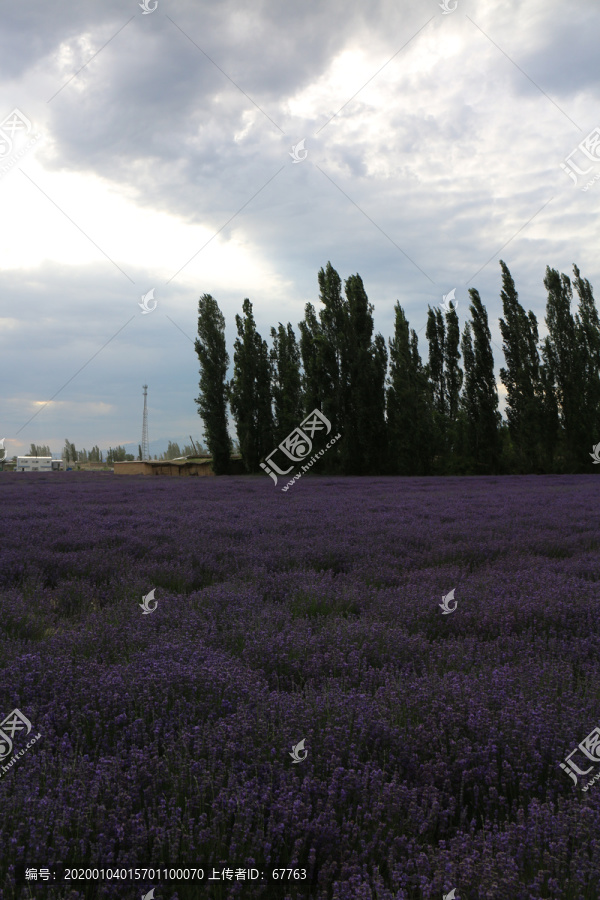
(431, 147)
(133, 237)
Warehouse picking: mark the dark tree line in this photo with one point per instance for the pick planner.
(397, 414)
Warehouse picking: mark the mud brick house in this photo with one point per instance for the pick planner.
(175, 467)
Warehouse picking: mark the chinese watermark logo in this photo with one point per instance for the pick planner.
(13, 123)
(596, 454)
(147, 9)
(590, 747)
(13, 723)
(295, 754)
(450, 894)
(149, 895)
(3, 450)
(446, 608)
(146, 604)
(297, 445)
(449, 303)
(299, 148)
(446, 8)
(13, 131)
(590, 150)
(144, 304)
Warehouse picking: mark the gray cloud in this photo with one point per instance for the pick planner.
(433, 169)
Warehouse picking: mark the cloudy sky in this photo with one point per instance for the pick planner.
(153, 150)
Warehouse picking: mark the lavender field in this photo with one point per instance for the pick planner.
(433, 742)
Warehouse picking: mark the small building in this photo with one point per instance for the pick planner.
(174, 467)
(38, 464)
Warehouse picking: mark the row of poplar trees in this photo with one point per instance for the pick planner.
(396, 414)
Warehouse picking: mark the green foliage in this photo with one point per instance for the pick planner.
(212, 402)
(364, 367)
(39, 450)
(410, 423)
(522, 378)
(118, 454)
(287, 383)
(172, 451)
(415, 418)
(344, 373)
(480, 395)
(250, 392)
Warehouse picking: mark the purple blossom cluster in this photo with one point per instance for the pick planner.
(433, 741)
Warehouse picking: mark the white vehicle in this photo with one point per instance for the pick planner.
(38, 464)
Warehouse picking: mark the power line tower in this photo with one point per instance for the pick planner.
(145, 448)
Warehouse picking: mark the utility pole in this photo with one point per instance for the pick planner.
(145, 450)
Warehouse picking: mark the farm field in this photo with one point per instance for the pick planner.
(432, 742)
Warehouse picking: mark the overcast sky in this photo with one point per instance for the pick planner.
(152, 151)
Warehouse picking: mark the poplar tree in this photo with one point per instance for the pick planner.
(409, 408)
(563, 360)
(587, 325)
(436, 337)
(521, 377)
(287, 385)
(212, 402)
(264, 399)
(39, 450)
(425, 429)
(324, 357)
(376, 402)
(250, 392)
(481, 394)
(550, 430)
(488, 436)
(173, 451)
(363, 371)
(312, 377)
(453, 376)
(453, 379)
(333, 332)
(468, 400)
